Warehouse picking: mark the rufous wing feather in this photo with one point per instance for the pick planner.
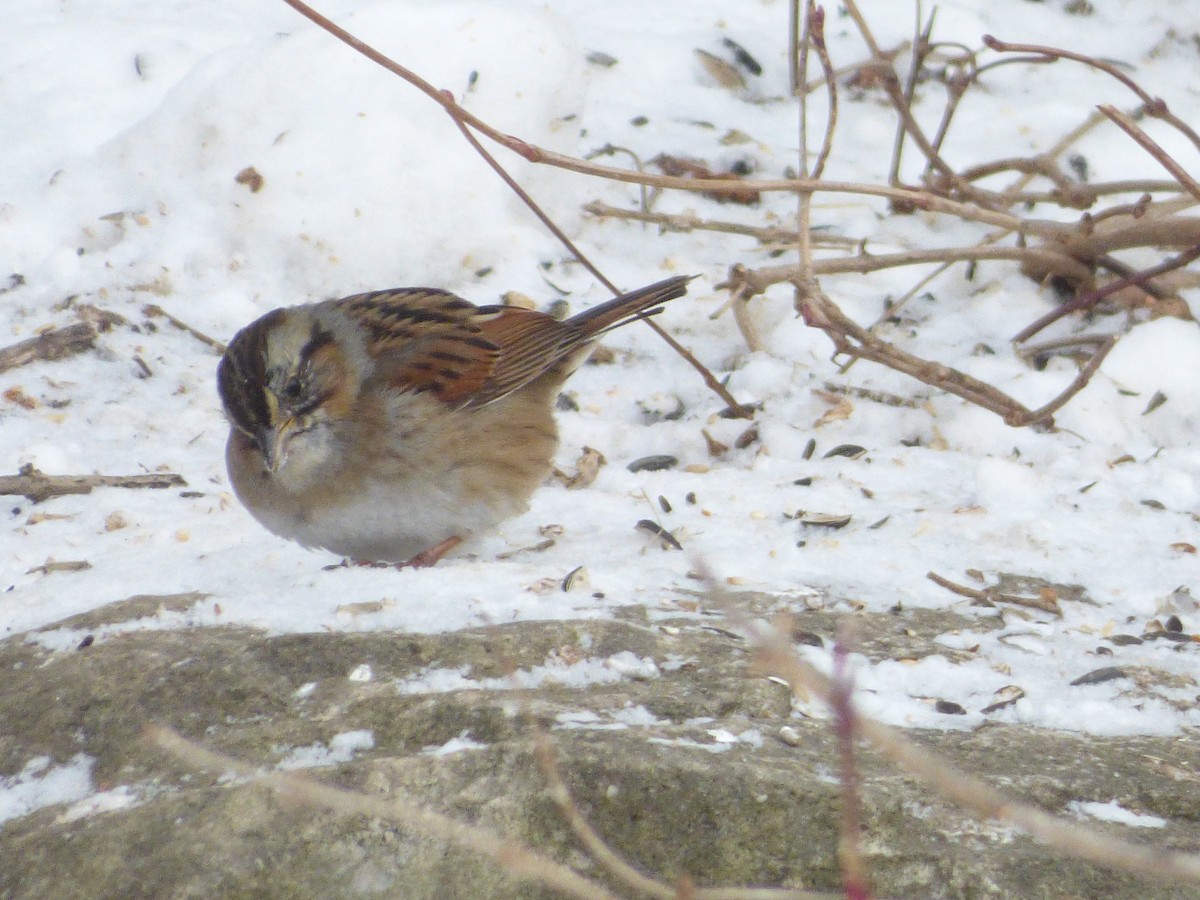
(423, 339)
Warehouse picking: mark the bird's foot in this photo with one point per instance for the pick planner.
(422, 560)
(433, 555)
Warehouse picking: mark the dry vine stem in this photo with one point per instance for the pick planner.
(517, 859)
(466, 122)
(1068, 254)
(776, 656)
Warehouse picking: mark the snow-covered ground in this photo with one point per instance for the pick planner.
(127, 123)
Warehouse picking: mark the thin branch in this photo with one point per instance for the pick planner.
(515, 858)
(617, 867)
(1091, 298)
(153, 311)
(990, 596)
(778, 657)
(1155, 107)
(37, 486)
(57, 344)
(1126, 124)
(854, 870)
(923, 200)
(849, 337)
(1053, 261)
(684, 222)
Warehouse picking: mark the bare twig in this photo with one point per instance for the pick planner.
(1154, 106)
(990, 596)
(1055, 262)
(849, 337)
(515, 858)
(706, 374)
(918, 199)
(854, 870)
(1091, 298)
(38, 486)
(685, 222)
(1130, 127)
(153, 311)
(56, 344)
(466, 122)
(777, 656)
(617, 867)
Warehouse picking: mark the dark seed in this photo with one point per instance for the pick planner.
(743, 58)
(850, 451)
(1099, 676)
(668, 539)
(1156, 401)
(949, 708)
(800, 636)
(653, 463)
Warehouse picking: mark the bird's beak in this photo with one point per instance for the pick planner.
(273, 441)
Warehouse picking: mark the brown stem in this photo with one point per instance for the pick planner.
(56, 344)
(38, 486)
(1126, 124)
(1091, 298)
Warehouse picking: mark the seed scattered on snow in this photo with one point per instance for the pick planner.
(1125, 640)
(366, 607)
(789, 736)
(1006, 696)
(665, 537)
(850, 451)
(1099, 676)
(723, 73)
(656, 463)
(821, 520)
(576, 578)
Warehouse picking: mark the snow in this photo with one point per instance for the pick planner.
(455, 745)
(40, 784)
(1114, 812)
(134, 119)
(341, 748)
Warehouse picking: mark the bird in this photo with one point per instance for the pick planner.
(388, 426)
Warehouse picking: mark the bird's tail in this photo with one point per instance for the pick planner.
(637, 304)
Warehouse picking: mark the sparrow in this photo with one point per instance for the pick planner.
(388, 426)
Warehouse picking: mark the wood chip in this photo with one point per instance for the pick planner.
(38, 486)
(587, 470)
(51, 566)
(53, 345)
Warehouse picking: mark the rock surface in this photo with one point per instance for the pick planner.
(679, 765)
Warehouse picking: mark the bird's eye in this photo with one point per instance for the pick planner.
(292, 389)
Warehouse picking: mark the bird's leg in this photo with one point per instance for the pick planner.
(433, 555)
(423, 560)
